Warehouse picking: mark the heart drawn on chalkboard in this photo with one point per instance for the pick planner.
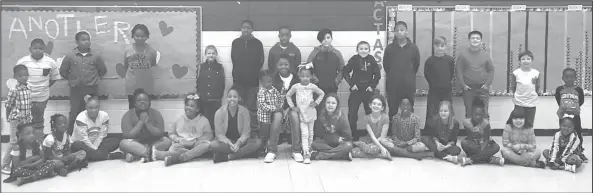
(179, 71)
(165, 29)
(49, 47)
(121, 70)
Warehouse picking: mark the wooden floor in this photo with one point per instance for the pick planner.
(285, 175)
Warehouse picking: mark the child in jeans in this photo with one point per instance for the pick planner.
(525, 84)
(570, 98)
(366, 74)
(269, 111)
(305, 106)
(565, 150)
(18, 110)
(210, 84)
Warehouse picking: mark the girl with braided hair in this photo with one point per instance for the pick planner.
(56, 146)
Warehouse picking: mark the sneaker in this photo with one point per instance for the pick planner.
(115, 155)
(570, 168)
(270, 157)
(452, 159)
(172, 159)
(298, 157)
(130, 157)
(307, 161)
(497, 160)
(10, 179)
(466, 161)
(348, 157)
(540, 164)
(314, 155)
(585, 160)
(6, 169)
(219, 157)
(63, 172)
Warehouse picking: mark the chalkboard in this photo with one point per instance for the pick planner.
(174, 32)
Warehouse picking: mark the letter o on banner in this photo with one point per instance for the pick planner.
(57, 28)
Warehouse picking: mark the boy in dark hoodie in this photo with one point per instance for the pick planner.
(327, 63)
(401, 63)
(366, 74)
(247, 55)
(284, 47)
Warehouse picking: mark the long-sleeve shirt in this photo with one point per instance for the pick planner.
(401, 63)
(563, 146)
(195, 129)
(18, 104)
(41, 72)
(443, 133)
(210, 81)
(293, 52)
(82, 69)
(130, 119)
(268, 100)
(221, 123)
(304, 97)
(331, 127)
(247, 55)
(90, 132)
(439, 71)
(569, 99)
(365, 72)
(328, 64)
(406, 129)
(524, 136)
(478, 133)
(525, 85)
(474, 68)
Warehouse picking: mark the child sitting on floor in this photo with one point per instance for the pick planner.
(405, 141)
(563, 155)
(377, 125)
(56, 146)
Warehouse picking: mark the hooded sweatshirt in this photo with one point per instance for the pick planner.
(401, 65)
(294, 56)
(365, 72)
(247, 55)
(327, 66)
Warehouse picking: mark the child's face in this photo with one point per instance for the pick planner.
(37, 50)
(283, 66)
(569, 77)
(305, 76)
(22, 76)
(363, 50)
(475, 40)
(519, 122)
(439, 48)
(211, 54)
(266, 82)
(405, 107)
(331, 104)
(84, 41)
(233, 98)
(526, 62)
(377, 105)
(284, 35)
(191, 108)
(566, 127)
(327, 40)
(61, 124)
(444, 112)
(478, 115)
(246, 28)
(142, 102)
(27, 135)
(92, 108)
(401, 32)
(140, 36)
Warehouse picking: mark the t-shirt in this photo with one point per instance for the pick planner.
(131, 118)
(58, 148)
(91, 132)
(40, 73)
(376, 127)
(525, 90)
(233, 129)
(139, 73)
(570, 98)
(286, 81)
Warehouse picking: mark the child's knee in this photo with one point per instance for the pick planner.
(574, 159)
(546, 154)
(454, 150)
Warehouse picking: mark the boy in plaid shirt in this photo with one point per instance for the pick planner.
(269, 113)
(18, 109)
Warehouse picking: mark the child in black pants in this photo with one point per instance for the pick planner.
(210, 83)
(366, 74)
(438, 71)
(570, 97)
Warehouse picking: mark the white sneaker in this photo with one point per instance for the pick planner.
(570, 168)
(270, 157)
(297, 157)
(130, 158)
(6, 169)
(307, 161)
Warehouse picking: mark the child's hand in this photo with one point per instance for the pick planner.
(516, 147)
(466, 88)
(144, 117)
(234, 147)
(185, 142)
(340, 139)
(313, 104)
(440, 146)
(384, 152)
(369, 89)
(354, 88)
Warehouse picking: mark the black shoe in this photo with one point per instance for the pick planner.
(10, 179)
(585, 160)
(115, 155)
(540, 164)
(173, 159)
(62, 172)
(314, 155)
(219, 157)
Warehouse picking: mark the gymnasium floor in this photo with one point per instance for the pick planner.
(285, 175)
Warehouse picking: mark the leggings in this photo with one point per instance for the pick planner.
(45, 170)
(307, 136)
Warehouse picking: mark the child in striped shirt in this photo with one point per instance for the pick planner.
(564, 153)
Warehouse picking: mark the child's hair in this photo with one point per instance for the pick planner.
(567, 119)
(516, 114)
(233, 88)
(526, 53)
(90, 97)
(478, 104)
(568, 69)
(328, 95)
(211, 47)
(284, 27)
(321, 34)
(18, 68)
(441, 40)
(249, 22)
(140, 27)
(451, 113)
(265, 73)
(402, 23)
(53, 119)
(284, 56)
(21, 127)
(380, 98)
(81, 33)
(194, 97)
(362, 43)
(139, 92)
(37, 41)
(469, 35)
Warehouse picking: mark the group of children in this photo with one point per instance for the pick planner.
(289, 94)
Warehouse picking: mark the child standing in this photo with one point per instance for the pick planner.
(18, 110)
(140, 58)
(269, 113)
(570, 98)
(478, 145)
(284, 47)
(305, 106)
(438, 71)
(565, 150)
(56, 146)
(328, 63)
(366, 74)
(82, 68)
(518, 141)
(405, 141)
(29, 163)
(377, 125)
(401, 62)
(525, 84)
(210, 83)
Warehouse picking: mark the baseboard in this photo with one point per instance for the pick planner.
(495, 132)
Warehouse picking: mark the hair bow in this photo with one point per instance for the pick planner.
(567, 115)
(86, 98)
(193, 96)
(306, 66)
